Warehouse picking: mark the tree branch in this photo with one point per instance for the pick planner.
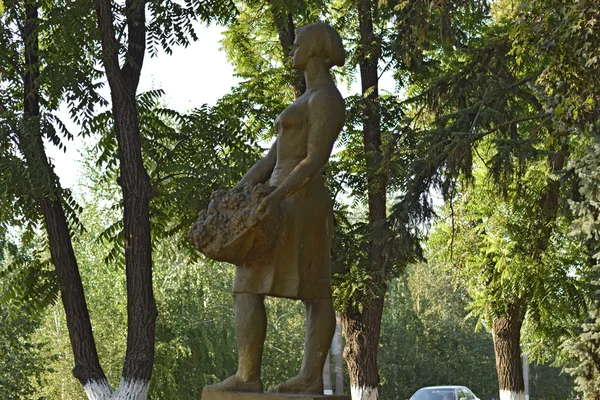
(110, 45)
(162, 179)
(45, 189)
(15, 65)
(136, 41)
(284, 22)
(525, 80)
(513, 121)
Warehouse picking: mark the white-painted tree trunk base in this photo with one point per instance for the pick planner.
(364, 393)
(98, 390)
(510, 395)
(129, 389)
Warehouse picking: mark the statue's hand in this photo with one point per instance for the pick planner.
(269, 207)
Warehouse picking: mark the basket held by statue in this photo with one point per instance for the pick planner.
(229, 230)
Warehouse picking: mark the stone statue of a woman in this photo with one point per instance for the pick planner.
(298, 265)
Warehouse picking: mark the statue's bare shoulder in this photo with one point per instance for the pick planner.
(328, 101)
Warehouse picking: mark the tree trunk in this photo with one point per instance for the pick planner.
(135, 183)
(46, 191)
(338, 353)
(506, 332)
(362, 328)
(285, 28)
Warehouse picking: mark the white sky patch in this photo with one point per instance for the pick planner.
(192, 76)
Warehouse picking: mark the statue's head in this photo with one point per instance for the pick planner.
(318, 40)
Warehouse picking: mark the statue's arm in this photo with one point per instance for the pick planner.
(262, 169)
(326, 119)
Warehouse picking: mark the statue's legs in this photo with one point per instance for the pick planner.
(320, 328)
(250, 331)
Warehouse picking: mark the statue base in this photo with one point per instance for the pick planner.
(214, 395)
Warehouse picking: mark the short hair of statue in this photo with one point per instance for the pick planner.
(330, 42)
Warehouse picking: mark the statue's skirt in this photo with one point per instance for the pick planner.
(299, 264)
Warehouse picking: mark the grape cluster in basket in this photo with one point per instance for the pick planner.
(230, 214)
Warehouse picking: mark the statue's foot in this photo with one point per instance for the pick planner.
(299, 385)
(236, 384)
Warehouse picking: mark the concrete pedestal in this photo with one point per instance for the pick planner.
(213, 395)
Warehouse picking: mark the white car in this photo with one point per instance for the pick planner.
(444, 393)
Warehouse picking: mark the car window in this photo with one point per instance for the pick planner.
(460, 394)
(434, 394)
(448, 395)
(468, 394)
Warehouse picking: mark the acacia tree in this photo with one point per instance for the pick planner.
(134, 180)
(35, 67)
(511, 258)
(171, 26)
(485, 106)
(400, 38)
(367, 253)
(51, 58)
(571, 86)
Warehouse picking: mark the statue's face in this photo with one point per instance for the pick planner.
(301, 51)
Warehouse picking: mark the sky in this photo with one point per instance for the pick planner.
(192, 76)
